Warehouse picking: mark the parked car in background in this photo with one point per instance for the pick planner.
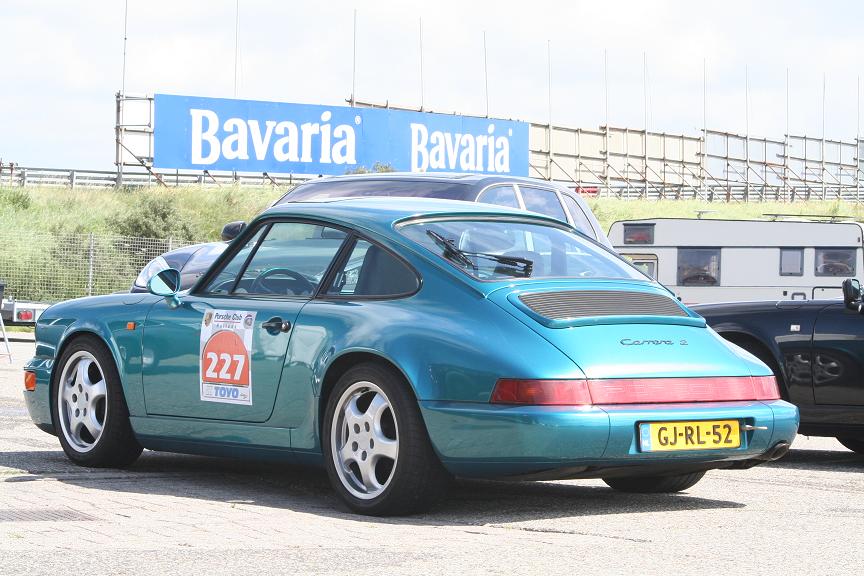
(734, 260)
(191, 261)
(539, 196)
(815, 349)
(400, 341)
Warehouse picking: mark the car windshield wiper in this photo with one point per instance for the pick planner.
(463, 256)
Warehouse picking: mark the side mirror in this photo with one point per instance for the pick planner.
(852, 294)
(232, 230)
(166, 283)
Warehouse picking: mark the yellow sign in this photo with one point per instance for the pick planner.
(704, 435)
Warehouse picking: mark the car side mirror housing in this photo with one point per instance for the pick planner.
(232, 230)
(166, 284)
(852, 294)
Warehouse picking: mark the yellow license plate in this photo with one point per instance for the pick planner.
(704, 435)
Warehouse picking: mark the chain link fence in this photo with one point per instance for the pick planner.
(49, 267)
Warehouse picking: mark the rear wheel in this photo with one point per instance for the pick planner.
(88, 407)
(377, 452)
(655, 484)
(854, 444)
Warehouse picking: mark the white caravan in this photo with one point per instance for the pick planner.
(734, 260)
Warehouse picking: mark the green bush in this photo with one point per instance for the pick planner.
(153, 217)
(15, 198)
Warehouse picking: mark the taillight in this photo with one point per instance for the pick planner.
(30, 381)
(541, 392)
(766, 387)
(24, 315)
(635, 390)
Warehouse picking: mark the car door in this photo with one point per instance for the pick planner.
(838, 356)
(219, 353)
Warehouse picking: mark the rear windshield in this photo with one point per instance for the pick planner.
(355, 188)
(504, 249)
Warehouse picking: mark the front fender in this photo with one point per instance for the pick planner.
(117, 320)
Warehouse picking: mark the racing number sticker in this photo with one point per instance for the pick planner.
(226, 350)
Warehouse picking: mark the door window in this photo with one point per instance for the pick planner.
(645, 263)
(543, 201)
(290, 260)
(698, 266)
(791, 261)
(835, 261)
(224, 280)
(372, 271)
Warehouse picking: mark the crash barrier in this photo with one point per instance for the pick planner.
(3, 336)
(14, 175)
(18, 176)
(49, 267)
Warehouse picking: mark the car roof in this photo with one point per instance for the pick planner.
(467, 179)
(381, 213)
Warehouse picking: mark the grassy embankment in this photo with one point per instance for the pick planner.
(44, 245)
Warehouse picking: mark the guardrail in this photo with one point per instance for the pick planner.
(21, 176)
(26, 176)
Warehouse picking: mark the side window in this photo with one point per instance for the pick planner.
(373, 271)
(698, 266)
(290, 260)
(835, 261)
(638, 233)
(224, 280)
(543, 201)
(580, 220)
(500, 196)
(791, 261)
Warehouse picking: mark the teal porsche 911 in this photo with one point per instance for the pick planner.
(400, 343)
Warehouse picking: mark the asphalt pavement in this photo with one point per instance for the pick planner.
(178, 514)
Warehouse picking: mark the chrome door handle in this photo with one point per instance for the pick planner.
(276, 325)
(750, 427)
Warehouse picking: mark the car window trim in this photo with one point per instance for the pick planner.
(249, 258)
(240, 241)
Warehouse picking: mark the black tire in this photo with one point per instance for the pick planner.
(416, 478)
(116, 446)
(654, 484)
(854, 444)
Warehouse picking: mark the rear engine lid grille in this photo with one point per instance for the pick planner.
(569, 304)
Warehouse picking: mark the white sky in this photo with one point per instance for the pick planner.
(60, 62)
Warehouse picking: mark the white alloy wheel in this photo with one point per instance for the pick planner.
(364, 440)
(82, 401)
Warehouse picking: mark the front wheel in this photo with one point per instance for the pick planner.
(377, 452)
(88, 408)
(854, 444)
(654, 484)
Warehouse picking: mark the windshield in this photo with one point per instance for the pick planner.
(504, 249)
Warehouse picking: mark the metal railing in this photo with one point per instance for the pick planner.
(14, 175)
(46, 267)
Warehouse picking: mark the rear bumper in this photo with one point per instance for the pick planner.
(485, 440)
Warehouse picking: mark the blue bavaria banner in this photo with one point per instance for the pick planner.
(252, 136)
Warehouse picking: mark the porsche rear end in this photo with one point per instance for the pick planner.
(653, 392)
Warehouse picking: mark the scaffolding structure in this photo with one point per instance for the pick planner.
(621, 162)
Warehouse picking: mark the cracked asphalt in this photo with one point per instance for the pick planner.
(177, 514)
